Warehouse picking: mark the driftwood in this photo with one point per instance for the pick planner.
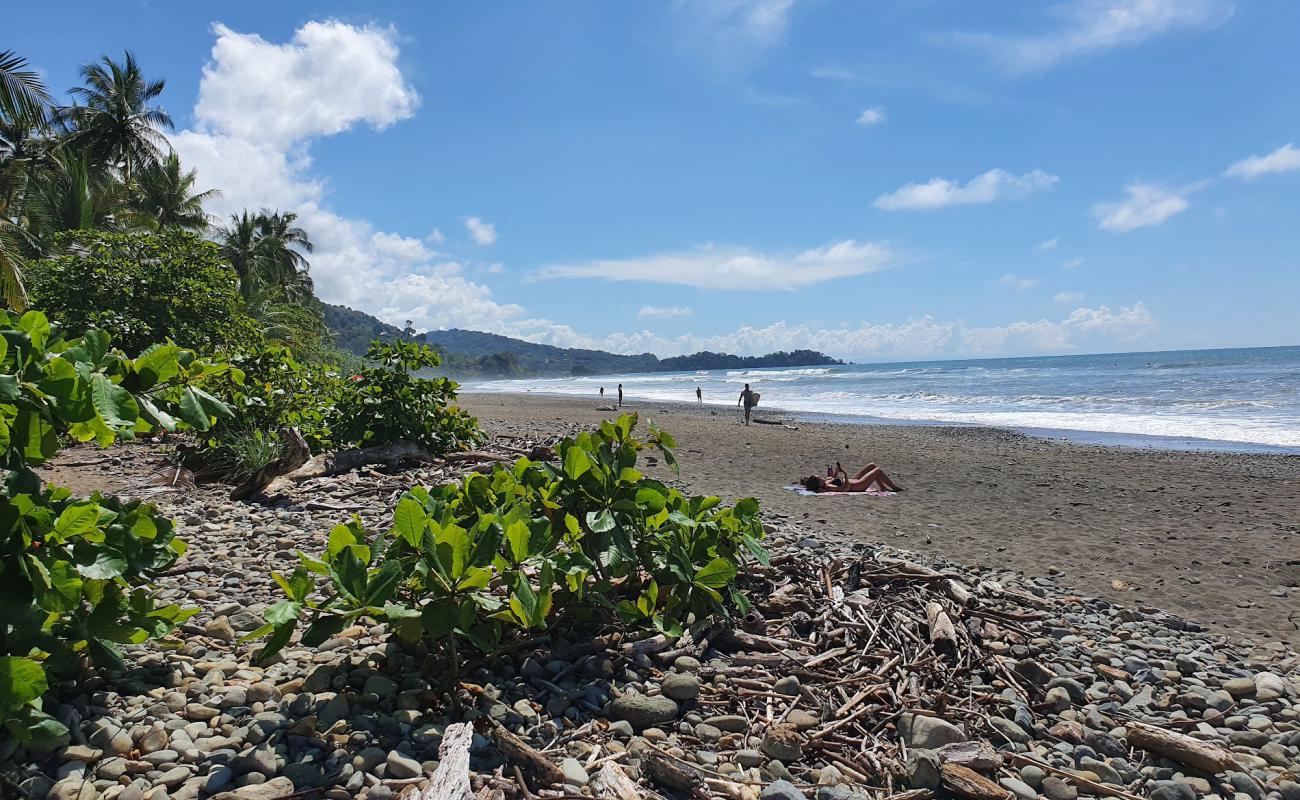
(1180, 748)
(970, 784)
(975, 755)
(614, 784)
(296, 454)
(451, 781)
(671, 775)
(520, 752)
(942, 634)
(1104, 789)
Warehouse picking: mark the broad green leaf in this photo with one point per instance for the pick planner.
(600, 521)
(21, 681)
(716, 574)
(652, 500)
(340, 537)
(518, 536)
(77, 519)
(284, 612)
(114, 404)
(108, 563)
(409, 521)
(192, 412)
(576, 463)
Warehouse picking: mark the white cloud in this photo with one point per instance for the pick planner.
(1049, 244)
(261, 104)
(1018, 283)
(1145, 206)
(1072, 263)
(1084, 328)
(737, 24)
(483, 233)
(1284, 159)
(436, 236)
(1094, 26)
(714, 267)
(871, 116)
(664, 312)
(1068, 297)
(996, 184)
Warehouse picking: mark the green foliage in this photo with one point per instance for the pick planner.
(387, 403)
(522, 547)
(144, 288)
(272, 389)
(73, 571)
(236, 454)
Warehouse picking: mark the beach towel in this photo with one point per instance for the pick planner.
(797, 489)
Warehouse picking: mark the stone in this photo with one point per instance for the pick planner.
(80, 752)
(245, 620)
(923, 768)
(1057, 700)
(783, 743)
(681, 686)
(729, 723)
(220, 629)
(1269, 687)
(1056, 789)
(781, 790)
(1033, 775)
(1173, 791)
(789, 685)
(574, 773)
(402, 766)
(219, 778)
(73, 788)
(749, 758)
(1239, 687)
(173, 777)
(928, 733)
(380, 685)
(1019, 788)
(260, 759)
(642, 711)
(270, 790)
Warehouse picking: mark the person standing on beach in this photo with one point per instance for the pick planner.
(746, 397)
(699, 396)
(620, 395)
(602, 393)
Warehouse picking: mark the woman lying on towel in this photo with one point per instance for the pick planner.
(867, 478)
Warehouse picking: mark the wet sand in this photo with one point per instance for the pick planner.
(1209, 536)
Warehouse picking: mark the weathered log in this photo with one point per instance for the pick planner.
(943, 637)
(451, 781)
(518, 751)
(976, 755)
(970, 784)
(958, 592)
(327, 464)
(614, 784)
(296, 454)
(1180, 748)
(672, 775)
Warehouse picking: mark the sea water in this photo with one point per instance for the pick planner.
(1246, 398)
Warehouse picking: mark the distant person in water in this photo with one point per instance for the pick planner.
(620, 395)
(747, 398)
(602, 392)
(867, 477)
(699, 396)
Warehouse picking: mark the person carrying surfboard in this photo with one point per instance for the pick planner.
(750, 399)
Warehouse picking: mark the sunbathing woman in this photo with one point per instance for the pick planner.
(841, 482)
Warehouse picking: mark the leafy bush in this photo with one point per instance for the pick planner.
(144, 288)
(591, 536)
(271, 389)
(386, 403)
(73, 572)
(237, 454)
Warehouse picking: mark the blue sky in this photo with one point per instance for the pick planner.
(911, 179)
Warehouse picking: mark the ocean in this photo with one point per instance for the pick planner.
(1230, 399)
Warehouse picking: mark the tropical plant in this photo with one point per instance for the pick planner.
(265, 250)
(23, 94)
(387, 403)
(529, 545)
(116, 122)
(24, 103)
(143, 288)
(74, 572)
(74, 195)
(163, 197)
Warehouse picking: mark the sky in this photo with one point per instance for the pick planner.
(900, 179)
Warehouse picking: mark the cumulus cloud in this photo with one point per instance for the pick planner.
(483, 233)
(1086, 27)
(664, 312)
(1284, 159)
(1145, 206)
(1017, 282)
(926, 337)
(260, 106)
(1068, 297)
(996, 184)
(715, 267)
(871, 116)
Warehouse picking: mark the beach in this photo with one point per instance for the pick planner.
(1213, 537)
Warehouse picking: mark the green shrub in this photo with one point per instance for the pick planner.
(144, 288)
(386, 403)
(271, 389)
(73, 572)
(237, 454)
(592, 536)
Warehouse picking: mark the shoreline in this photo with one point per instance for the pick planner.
(1135, 441)
(1201, 534)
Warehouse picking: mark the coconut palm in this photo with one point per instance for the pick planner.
(265, 251)
(24, 103)
(163, 196)
(22, 93)
(116, 122)
(74, 195)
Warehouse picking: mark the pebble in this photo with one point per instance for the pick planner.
(642, 711)
(681, 685)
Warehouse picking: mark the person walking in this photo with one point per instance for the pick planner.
(602, 393)
(749, 399)
(620, 395)
(699, 396)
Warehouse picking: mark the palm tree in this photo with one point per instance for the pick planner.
(24, 103)
(264, 249)
(74, 195)
(116, 123)
(163, 197)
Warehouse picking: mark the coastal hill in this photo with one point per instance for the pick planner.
(480, 354)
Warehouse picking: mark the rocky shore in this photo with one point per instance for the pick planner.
(834, 687)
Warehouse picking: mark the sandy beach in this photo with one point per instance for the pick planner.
(1211, 537)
